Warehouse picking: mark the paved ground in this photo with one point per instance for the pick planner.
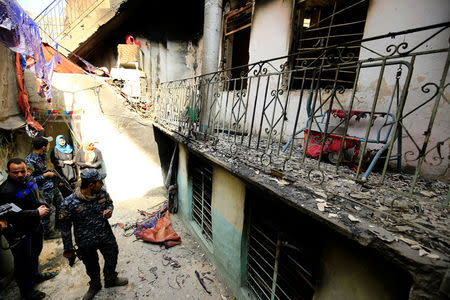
(143, 263)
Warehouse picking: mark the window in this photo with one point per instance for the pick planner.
(237, 25)
(201, 174)
(283, 250)
(277, 267)
(319, 24)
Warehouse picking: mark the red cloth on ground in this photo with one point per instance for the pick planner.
(163, 233)
(23, 97)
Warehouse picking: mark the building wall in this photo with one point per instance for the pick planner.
(8, 85)
(347, 273)
(126, 142)
(344, 270)
(270, 38)
(228, 200)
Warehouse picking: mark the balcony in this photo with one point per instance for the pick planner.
(369, 134)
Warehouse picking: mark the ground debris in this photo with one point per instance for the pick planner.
(171, 262)
(202, 282)
(353, 218)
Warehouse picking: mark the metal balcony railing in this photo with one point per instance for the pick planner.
(393, 116)
(61, 17)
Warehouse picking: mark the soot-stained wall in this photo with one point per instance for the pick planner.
(170, 34)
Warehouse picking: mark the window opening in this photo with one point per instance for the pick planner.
(329, 23)
(237, 27)
(277, 267)
(201, 174)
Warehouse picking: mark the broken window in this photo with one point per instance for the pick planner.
(201, 174)
(237, 25)
(282, 252)
(320, 24)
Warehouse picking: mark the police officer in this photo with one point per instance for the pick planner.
(36, 161)
(25, 235)
(89, 209)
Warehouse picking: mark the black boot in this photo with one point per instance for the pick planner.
(118, 281)
(93, 290)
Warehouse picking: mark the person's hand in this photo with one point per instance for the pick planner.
(43, 210)
(69, 253)
(68, 162)
(107, 214)
(90, 165)
(3, 224)
(49, 174)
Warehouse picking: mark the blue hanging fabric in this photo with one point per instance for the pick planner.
(20, 33)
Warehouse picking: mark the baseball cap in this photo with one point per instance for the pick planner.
(92, 174)
(40, 142)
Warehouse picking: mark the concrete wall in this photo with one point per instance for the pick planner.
(228, 200)
(127, 144)
(9, 108)
(348, 273)
(270, 31)
(89, 22)
(343, 270)
(270, 37)
(402, 15)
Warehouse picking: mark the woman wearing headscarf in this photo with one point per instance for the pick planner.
(62, 157)
(89, 157)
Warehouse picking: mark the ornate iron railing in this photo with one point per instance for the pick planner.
(394, 118)
(62, 16)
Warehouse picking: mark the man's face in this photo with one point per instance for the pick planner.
(17, 172)
(97, 186)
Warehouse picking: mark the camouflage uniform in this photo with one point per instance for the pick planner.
(37, 163)
(92, 232)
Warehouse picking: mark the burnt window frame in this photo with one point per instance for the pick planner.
(328, 49)
(236, 73)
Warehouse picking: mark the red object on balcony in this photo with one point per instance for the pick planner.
(332, 144)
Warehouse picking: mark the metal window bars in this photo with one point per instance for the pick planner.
(58, 19)
(275, 268)
(324, 24)
(201, 175)
(274, 124)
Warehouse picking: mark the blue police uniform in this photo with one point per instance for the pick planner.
(91, 230)
(37, 163)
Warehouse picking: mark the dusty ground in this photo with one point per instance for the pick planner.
(141, 262)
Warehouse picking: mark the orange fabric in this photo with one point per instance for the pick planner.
(23, 97)
(162, 233)
(64, 65)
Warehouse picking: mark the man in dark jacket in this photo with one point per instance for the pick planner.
(88, 210)
(36, 161)
(24, 234)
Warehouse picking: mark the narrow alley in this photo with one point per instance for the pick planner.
(154, 272)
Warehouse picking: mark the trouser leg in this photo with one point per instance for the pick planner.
(57, 201)
(22, 262)
(36, 249)
(46, 223)
(89, 257)
(110, 252)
